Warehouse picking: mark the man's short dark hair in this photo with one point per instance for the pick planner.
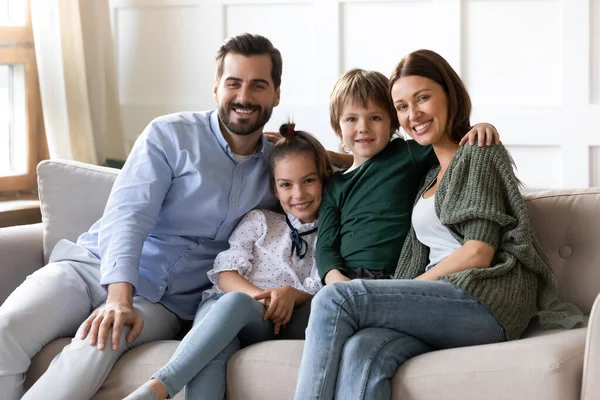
(249, 44)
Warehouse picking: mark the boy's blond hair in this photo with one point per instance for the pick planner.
(360, 86)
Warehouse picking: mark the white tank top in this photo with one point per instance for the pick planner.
(431, 232)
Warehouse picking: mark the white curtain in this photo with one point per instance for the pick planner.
(78, 81)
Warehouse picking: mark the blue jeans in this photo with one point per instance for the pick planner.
(223, 324)
(361, 331)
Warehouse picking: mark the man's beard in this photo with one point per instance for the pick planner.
(244, 128)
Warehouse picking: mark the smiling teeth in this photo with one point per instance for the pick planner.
(301, 205)
(421, 127)
(242, 110)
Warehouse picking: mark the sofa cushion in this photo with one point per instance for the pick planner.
(544, 365)
(133, 368)
(72, 196)
(567, 224)
(547, 365)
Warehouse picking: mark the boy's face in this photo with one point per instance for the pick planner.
(365, 130)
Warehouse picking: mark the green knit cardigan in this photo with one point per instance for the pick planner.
(478, 199)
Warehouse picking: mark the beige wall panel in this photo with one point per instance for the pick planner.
(542, 171)
(513, 51)
(381, 45)
(291, 29)
(166, 54)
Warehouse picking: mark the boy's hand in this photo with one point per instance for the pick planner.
(281, 306)
(334, 276)
(485, 134)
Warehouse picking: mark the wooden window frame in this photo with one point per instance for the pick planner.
(22, 52)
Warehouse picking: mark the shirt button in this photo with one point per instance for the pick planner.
(233, 199)
(161, 288)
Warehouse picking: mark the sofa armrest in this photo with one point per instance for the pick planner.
(21, 254)
(590, 388)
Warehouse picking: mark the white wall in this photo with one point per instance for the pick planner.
(531, 66)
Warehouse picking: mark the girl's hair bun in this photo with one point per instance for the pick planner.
(287, 130)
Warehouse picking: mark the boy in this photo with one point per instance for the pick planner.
(366, 209)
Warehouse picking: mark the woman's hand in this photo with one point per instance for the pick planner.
(485, 134)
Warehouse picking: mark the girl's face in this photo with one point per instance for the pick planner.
(298, 186)
(422, 107)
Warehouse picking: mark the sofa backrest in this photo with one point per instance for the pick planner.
(567, 222)
(72, 196)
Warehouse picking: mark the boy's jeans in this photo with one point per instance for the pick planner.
(361, 331)
(224, 323)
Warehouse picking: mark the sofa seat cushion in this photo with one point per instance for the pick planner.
(133, 368)
(545, 365)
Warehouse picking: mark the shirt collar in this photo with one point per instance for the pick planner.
(299, 225)
(214, 126)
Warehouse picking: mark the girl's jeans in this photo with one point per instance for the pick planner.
(223, 324)
(361, 331)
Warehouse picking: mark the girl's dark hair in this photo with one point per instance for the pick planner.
(294, 142)
(429, 64)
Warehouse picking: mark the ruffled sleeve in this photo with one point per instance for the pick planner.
(239, 256)
(312, 284)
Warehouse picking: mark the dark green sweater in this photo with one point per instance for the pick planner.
(478, 199)
(365, 213)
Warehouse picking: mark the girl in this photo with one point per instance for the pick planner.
(268, 271)
(470, 271)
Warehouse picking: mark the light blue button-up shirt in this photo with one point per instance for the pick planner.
(173, 207)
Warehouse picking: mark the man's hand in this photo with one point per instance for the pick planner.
(281, 306)
(273, 137)
(485, 134)
(117, 312)
(334, 276)
(340, 160)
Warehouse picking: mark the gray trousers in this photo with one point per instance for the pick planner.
(52, 303)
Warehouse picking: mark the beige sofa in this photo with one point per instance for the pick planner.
(550, 365)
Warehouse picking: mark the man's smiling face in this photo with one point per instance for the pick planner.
(245, 93)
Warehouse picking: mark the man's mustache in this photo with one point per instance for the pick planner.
(249, 106)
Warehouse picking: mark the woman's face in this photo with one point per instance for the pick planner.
(422, 107)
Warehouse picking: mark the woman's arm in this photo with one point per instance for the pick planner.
(473, 254)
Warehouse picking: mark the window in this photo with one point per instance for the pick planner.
(20, 110)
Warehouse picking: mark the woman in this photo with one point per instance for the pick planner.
(470, 272)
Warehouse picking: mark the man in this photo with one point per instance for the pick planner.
(141, 268)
